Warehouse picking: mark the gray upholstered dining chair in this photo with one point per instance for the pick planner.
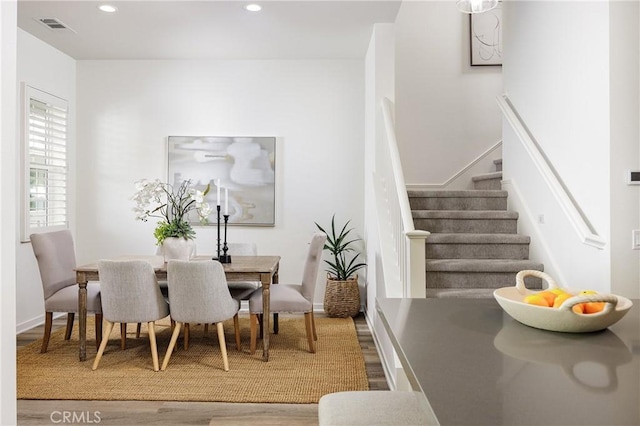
(130, 293)
(241, 290)
(56, 258)
(198, 293)
(293, 297)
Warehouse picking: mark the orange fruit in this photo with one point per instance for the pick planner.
(593, 307)
(578, 309)
(549, 296)
(560, 299)
(557, 291)
(536, 299)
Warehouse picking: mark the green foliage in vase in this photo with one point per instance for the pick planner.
(344, 263)
(176, 228)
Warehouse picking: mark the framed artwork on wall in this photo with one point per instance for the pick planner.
(486, 37)
(242, 167)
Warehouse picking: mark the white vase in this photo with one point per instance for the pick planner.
(178, 248)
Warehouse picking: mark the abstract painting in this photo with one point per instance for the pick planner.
(486, 37)
(239, 170)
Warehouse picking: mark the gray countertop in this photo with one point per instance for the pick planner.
(478, 366)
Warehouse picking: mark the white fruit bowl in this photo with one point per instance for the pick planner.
(562, 318)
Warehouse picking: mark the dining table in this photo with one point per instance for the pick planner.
(243, 268)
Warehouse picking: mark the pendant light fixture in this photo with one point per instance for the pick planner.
(476, 6)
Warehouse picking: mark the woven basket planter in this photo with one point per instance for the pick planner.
(342, 298)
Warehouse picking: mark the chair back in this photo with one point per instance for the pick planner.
(56, 258)
(314, 256)
(198, 292)
(242, 249)
(130, 291)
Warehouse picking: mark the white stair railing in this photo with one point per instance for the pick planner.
(402, 246)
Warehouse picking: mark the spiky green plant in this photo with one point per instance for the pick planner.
(344, 263)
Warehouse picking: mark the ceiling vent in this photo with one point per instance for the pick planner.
(54, 24)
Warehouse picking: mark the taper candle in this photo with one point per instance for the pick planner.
(218, 192)
(226, 201)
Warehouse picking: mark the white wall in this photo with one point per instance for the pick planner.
(445, 108)
(379, 71)
(580, 102)
(58, 78)
(624, 45)
(8, 220)
(126, 110)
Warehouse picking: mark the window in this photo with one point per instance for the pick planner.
(45, 162)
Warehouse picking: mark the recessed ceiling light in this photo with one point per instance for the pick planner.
(107, 8)
(253, 7)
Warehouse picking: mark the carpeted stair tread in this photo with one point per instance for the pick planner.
(481, 265)
(467, 193)
(486, 176)
(463, 214)
(468, 293)
(468, 238)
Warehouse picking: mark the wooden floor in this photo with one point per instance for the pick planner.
(37, 412)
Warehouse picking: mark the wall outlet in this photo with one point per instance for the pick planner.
(635, 239)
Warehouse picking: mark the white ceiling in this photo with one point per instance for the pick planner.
(311, 29)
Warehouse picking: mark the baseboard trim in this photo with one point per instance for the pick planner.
(34, 322)
(383, 360)
(459, 173)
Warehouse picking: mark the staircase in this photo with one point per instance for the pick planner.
(474, 247)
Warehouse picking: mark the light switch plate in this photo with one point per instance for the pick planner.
(635, 239)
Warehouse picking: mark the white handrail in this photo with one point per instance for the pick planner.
(576, 217)
(402, 246)
(396, 164)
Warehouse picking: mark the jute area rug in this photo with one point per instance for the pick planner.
(292, 375)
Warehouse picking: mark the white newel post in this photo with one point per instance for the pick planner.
(416, 264)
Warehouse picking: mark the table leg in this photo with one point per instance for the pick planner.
(82, 313)
(266, 297)
(275, 315)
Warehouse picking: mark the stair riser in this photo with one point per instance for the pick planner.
(477, 251)
(478, 280)
(472, 226)
(466, 203)
(488, 184)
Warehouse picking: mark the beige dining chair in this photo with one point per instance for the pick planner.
(198, 293)
(294, 298)
(56, 258)
(130, 293)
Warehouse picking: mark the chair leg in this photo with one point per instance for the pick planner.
(313, 323)
(236, 328)
(276, 327)
(261, 325)
(206, 330)
(308, 322)
(172, 344)
(123, 335)
(98, 327)
(154, 347)
(103, 344)
(138, 330)
(67, 333)
(253, 321)
(223, 345)
(186, 336)
(48, 320)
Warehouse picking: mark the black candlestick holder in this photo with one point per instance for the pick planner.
(217, 257)
(225, 258)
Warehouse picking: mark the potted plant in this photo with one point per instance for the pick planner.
(342, 295)
(174, 232)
